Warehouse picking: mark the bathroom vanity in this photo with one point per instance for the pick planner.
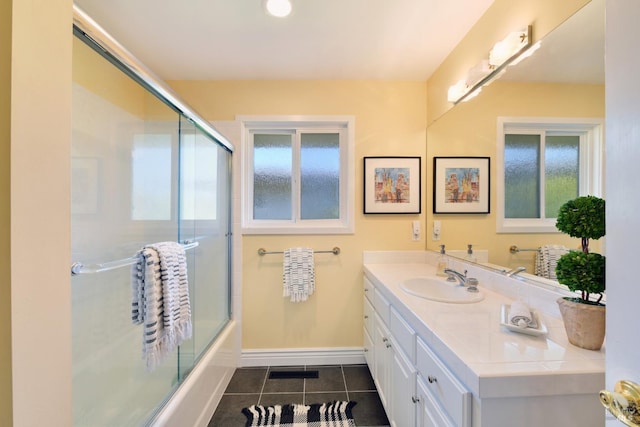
(453, 364)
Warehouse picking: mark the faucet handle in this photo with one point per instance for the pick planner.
(472, 284)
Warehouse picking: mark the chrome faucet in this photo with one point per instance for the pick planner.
(453, 275)
(514, 271)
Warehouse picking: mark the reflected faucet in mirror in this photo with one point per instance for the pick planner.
(514, 271)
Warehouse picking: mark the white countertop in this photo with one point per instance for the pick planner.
(491, 360)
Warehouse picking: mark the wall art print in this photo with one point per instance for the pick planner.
(461, 185)
(392, 185)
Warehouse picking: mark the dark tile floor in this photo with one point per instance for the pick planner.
(252, 386)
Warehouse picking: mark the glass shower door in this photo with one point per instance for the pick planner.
(204, 218)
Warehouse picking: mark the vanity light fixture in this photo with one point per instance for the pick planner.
(277, 8)
(504, 53)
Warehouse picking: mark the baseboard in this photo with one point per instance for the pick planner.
(302, 356)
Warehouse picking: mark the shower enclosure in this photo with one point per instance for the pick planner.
(144, 170)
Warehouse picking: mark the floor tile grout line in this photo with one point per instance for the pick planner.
(264, 382)
(344, 381)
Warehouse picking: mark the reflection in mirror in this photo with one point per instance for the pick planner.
(563, 78)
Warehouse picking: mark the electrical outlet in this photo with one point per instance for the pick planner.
(415, 228)
(435, 235)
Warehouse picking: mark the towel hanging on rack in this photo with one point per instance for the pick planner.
(160, 300)
(546, 260)
(298, 274)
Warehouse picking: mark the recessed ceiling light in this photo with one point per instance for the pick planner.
(278, 8)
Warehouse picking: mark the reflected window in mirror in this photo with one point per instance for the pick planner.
(542, 164)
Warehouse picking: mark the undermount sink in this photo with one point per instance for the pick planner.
(440, 290)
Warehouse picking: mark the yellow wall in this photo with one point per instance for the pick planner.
(503, 17)
(5, 213)
(470, 129)
(100, 77)
(390, 119)
(40, 134)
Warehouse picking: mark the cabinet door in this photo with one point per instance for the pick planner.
(382, 361)
(428, 412)
(403, 388)
(369, 352)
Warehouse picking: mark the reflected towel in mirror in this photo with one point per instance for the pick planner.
(546, 259)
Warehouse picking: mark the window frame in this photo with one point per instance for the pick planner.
(591, 165)
(345, 126)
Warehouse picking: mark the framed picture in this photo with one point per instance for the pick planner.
(461, 185)
(392, 185)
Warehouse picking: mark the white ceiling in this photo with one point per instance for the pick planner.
(322, 39)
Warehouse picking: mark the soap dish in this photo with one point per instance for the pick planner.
(541, 330)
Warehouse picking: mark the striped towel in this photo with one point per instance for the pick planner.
(160, 300)
(298, 275)
(546, 259)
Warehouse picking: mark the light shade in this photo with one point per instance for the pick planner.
(278, 8)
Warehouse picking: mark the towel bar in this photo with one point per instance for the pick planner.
(80, 268)
(514, 249)
(263, 251)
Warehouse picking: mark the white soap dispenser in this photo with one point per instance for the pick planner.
(470, 256)
(443, 262)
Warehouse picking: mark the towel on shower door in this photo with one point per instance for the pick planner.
(160, 300)
(547, 258)
(298, 275)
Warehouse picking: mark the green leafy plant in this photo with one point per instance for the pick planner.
(583, 217)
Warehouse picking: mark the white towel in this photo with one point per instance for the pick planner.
(160, 300)
(521, 316)
(298, 274)
(546, 260)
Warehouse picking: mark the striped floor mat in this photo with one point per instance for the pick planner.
(331, 414)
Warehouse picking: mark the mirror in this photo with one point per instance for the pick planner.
(563, 78)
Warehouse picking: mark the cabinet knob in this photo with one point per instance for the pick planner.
(432, 379)
(366, 350)
(385, 339)
(366, 317)
(388, 345)
(366, 290)
(415, 399)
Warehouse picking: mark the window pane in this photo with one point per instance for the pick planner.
(320, 176)
(521, 165)
(198, 176)
(561, 171)
(151, 177)
(271, 176)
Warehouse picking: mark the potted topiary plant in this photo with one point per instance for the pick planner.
(583, 271)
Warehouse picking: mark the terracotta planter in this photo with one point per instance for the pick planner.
(584, 323)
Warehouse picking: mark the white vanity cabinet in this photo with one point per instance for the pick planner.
(402, 366)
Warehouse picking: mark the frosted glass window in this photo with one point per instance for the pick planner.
(543, 164)
(299, 175)
(198, 176)
(151, 177)
(561, 171)
(521, 176)
(320, 176)
(272, 180)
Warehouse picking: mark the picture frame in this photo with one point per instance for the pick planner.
(392, 185)
(461, 185)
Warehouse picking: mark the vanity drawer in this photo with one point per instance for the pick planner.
(368, 314)
(446, 388)
(430, 414)
(381, 306)
(368, 289)
(403, 334)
